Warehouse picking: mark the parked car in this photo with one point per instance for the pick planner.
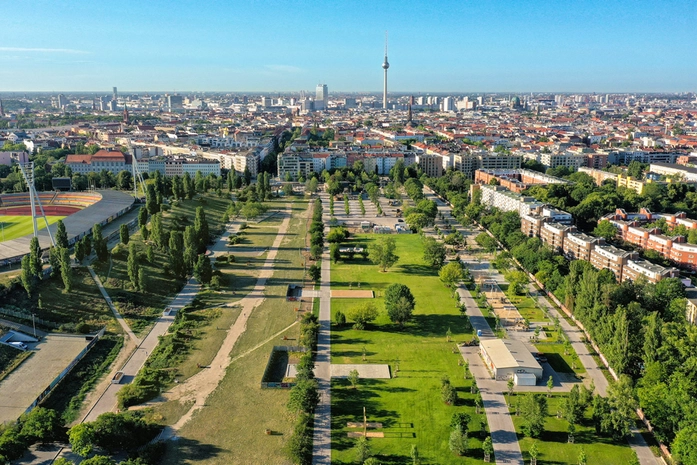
(19, 345)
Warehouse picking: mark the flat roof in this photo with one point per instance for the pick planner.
(508, 353)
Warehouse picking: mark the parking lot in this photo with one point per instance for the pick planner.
(49, 359)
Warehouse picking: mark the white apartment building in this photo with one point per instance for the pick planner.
(505, 200)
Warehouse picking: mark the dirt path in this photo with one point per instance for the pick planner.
(197, 388)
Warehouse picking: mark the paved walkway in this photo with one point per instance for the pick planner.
(117, 315)
(322, 449)
(107, 401)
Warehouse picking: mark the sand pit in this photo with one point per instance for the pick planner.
(344, 294)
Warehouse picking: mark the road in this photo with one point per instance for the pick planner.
(322, 448)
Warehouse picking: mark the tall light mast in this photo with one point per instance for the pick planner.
(385, 66)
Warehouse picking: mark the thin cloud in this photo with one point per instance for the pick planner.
(42, 50)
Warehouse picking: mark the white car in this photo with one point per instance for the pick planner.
(19, 345)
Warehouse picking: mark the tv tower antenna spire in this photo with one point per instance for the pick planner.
(385, 66)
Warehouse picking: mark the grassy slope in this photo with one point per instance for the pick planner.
(409, 406)
(20, 226)
(11, 358)
(231, 427)
(554, 447)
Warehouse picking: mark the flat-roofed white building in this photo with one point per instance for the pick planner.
(507, 358)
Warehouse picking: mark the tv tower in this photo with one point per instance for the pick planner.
(385, 66)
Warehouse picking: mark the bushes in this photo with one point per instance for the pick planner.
(38, 426)
(112, 432)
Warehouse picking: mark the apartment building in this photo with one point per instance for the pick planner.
(611, 258)
(531, 224)
(682, 253)
(636, 268)
(556, 215)
(578, 246)
(691, 307)
(112, 161)
(503, 199)
(669, 169)
(515, 180)
(432, 165)
(554, 234)
(570, 160)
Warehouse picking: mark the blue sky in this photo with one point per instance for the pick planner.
(264, 45)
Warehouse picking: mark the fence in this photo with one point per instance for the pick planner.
(67, 370)
(27, 317)
(269, 366)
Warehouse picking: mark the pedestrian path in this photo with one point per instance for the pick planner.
(117, 315)
(322, 449)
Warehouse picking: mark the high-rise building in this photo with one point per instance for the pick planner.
(385, 66)
(321, 97)
(62, 101)
(175, 101)
(116, 94)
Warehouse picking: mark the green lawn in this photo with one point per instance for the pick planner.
(409, 406)
(556, 357)
(553, 444)
(527, 308)
(12, 227)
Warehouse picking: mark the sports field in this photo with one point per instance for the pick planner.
(12, 227)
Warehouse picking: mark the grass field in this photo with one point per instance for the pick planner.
(12, 227)
(410, 405)
(230, 429)
(553, 444)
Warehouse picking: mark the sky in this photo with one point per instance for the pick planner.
(455, 46)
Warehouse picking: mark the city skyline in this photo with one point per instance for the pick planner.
(270, 46)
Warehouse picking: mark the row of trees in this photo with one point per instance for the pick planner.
(304, 396)
(59, 259)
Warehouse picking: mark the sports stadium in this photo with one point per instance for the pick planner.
(78, 210)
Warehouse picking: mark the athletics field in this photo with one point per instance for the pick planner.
(13, 227)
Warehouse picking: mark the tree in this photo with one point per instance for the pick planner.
(61, 234)
(517, 280)
(315, 272)
(304, 396)
(363, 314)
(123, 234)
(550, 386)
(451, 274)
(35, 262)
(252, 209)
(582, 459)
(622, 402)
(203, 271)
(685, 445)
(573, 409)
(533, 409)
(339, 318)
(362, 449)
(157, 230)
(534, 453)
(100, 245)
(54, 261)
(399, 303)
(66, 269)
(142, 217)
(447, 392)
(488, 449)
(81, 437)
(151, 203)
(382, 252)
(605, 229)
(354, 378)
(434, 253)
(40, 425)
(143, 280)
(460, 420)
(458, 441)
(334, 252)
(417, 221)
(132, 264)
(510, 384)
(27, 278)
(202, 230)
(79, 251)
